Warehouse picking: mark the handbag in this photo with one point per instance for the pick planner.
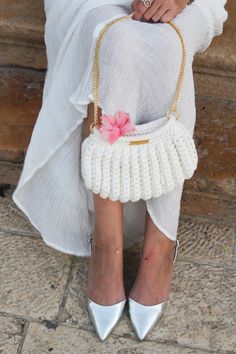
(143, 162)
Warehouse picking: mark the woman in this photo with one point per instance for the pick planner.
(140, 60)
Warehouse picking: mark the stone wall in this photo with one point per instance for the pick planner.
(21, 33)
(22, 71)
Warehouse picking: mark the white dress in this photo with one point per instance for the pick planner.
(140, 64)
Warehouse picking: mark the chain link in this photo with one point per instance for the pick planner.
(182, 69)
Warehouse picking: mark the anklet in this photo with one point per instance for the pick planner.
(116, 249)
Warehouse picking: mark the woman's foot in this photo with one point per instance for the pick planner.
(153, 281)
(105, 274)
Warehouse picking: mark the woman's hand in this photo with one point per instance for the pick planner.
(160, 10)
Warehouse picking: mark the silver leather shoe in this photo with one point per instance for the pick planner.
(145, 317)
(105, 317)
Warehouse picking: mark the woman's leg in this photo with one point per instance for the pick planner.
(105, 273)
(153, 281)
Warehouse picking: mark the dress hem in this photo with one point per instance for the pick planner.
(79, 254)
(48, 243)
(159, 226)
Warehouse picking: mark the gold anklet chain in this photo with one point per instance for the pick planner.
(116, 249)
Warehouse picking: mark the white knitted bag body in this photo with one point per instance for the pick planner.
(144, 163)
(124, 171)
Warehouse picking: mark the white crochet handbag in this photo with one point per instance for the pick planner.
(146, 162)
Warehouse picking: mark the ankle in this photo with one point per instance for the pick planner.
(158, 241)
(158, 249)
(108, 239)
(106, 247)
(153, 258)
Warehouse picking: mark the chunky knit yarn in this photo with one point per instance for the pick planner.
(124, 172)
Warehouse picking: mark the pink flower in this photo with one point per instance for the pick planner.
(114, 127)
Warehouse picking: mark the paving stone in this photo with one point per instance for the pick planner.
(12, 218)
(203, 241)
(206, 242)
(41, 340)
(32, 277)
(8, 233)
(75, 311)
(10, 334)
(201, 312)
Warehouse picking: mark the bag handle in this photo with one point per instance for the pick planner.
(96, 71)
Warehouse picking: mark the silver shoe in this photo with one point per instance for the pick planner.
(145, 317)
(105, 317)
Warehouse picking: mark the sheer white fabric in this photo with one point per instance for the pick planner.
(139, 69)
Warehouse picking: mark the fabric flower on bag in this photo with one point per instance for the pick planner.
(114, 127)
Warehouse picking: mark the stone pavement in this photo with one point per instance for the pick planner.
(43, 301)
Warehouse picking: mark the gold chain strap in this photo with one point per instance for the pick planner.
(182, 69)
(96, 71)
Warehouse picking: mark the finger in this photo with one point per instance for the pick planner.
(160, 12)
(134, 4)
(152, 10)
(168, 16)
(139, 11)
